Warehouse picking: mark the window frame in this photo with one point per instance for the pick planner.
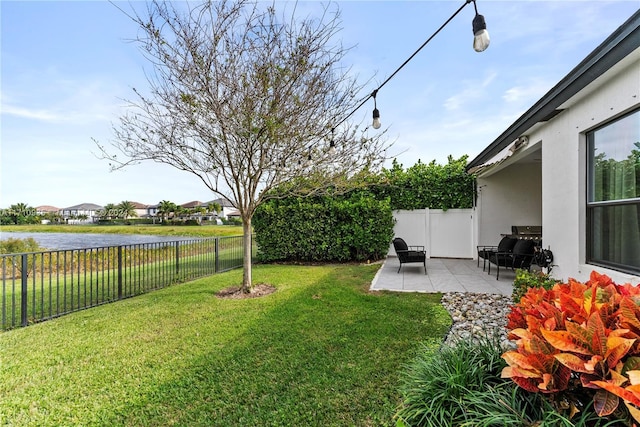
(591, 206)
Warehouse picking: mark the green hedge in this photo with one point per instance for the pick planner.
(430, 185)
(357, 227)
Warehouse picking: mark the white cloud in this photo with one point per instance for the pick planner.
(527, 93)
(472, 91)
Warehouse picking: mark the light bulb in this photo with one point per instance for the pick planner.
(480, 34)
(332, 147)
(376, 119)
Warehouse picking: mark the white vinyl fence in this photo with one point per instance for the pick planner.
(444, 234)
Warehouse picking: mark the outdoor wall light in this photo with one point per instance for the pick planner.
(480, 34)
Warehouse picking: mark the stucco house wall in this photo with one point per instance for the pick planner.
(602, 88)
(564, 160)
(510, 196)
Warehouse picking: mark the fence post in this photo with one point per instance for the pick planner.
(24, 279)
(177, 259)
(217, 256)
(119, 272)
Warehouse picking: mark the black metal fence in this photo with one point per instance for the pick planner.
(39, 286)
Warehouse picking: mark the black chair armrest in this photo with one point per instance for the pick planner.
(417, 248)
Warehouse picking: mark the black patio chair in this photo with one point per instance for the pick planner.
(505, 245)
(522, 257)
(409, 254)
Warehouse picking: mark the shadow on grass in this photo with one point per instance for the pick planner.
(326, 354)
(321, 352)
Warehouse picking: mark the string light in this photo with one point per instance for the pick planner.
(480, 43)
(376, 114)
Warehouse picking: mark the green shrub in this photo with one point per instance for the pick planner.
(356, 227)
(430, 185)
(16, 246)
(530, 279)
(437, 384)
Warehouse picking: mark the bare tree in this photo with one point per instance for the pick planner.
(247, 100)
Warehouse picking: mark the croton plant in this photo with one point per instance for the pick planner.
(579, 342)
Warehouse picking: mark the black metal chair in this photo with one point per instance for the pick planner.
(505, 245)
(522, 257)
(409, 254)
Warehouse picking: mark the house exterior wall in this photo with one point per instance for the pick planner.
(564, 164)
(511, 196)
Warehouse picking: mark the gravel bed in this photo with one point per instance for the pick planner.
(477, 315)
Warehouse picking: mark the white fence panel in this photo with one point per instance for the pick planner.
(444, 234)
(412, 226)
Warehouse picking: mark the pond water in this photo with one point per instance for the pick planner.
(55, 241)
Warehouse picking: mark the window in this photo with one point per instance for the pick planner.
(613, 195)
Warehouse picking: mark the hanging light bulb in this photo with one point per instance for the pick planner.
(308, 162)
(376, 119)
(332, 143)
(376, 114)
(480, 34)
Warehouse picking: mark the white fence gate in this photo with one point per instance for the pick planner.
(444, 234)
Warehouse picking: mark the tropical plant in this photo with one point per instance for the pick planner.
(166, 209)
(127, 209)
(526, 279)
(578, 344)
(19, 213)
(214, 207)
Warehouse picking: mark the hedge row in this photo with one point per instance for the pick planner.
(357, 227)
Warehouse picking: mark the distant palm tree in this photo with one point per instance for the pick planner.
(109, 211)
(19, 212)
(127, 209)
(165, 209)
(180, 211)
(214, 207)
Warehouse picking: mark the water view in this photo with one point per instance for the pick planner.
(56, 241)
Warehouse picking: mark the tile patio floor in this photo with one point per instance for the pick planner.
(443, 275)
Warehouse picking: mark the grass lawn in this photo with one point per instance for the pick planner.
(156, 230)
(320, 351)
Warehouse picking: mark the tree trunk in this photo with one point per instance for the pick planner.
(247, 261)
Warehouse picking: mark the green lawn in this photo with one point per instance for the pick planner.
(321, 351)
(157, 230)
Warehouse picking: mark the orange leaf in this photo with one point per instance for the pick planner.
(618, 391)
(573, 362)
(617, 348)
(513, 358)
(564, 341)
(634, 377)
(633, 411)
(605, 403)
(595, 326)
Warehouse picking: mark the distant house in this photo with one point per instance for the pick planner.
(152, 211)
(82, 213)
(227, 208)
(193, 204)
(571, 164)
(46, 209)
(142, 210)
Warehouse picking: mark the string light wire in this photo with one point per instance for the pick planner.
(375, 92)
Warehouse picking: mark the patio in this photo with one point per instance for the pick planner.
(443, 275)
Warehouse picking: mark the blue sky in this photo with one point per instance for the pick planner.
(66, 66)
